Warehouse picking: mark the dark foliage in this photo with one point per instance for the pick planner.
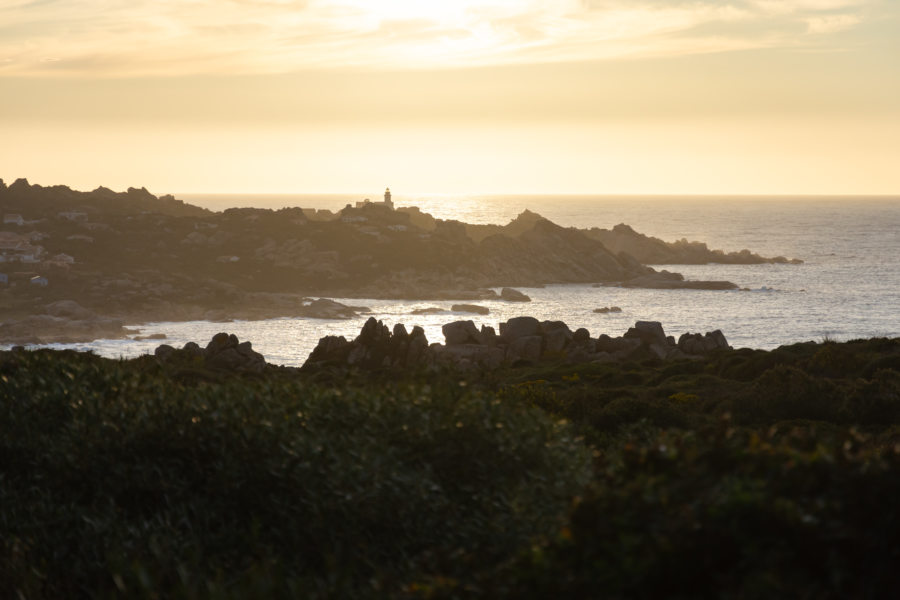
(746, 475)
(116, 478)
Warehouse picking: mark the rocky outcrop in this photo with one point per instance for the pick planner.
(471, 308)
(695, 343)
(511, 295)
(376, 347)
(223, 353)
(521, 341)
(654, 251)
(323, 308)
(522, 223)
(607, 309)
(664, 280)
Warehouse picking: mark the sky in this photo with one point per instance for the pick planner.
(453, 96)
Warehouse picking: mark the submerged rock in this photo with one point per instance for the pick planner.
(430, 310)
(471, 308)
(607, 309)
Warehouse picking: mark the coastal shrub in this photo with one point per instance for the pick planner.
(834, 361)
(786, 392)
(876, 402)
(117, 479)
(721, 513)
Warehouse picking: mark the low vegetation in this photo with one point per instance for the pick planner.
(750, 474)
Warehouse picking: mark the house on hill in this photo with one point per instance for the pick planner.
(13, 219)
(39, 281)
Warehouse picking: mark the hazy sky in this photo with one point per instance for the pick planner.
(456, 96)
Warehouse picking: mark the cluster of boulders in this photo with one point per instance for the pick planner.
(376, 347)
(521, 340)
(223, 353)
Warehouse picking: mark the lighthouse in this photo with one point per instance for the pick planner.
(387, 198)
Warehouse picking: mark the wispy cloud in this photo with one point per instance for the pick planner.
(168, 37)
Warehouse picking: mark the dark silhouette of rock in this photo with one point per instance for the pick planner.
(488, 335)
(418, 347)
(193, 350)
(528, 348)
(622, 239)
(650, 332)
(523, 340)
(519, 327)
(164, 351)
(467, 356)
(224, 352)
(376, 347)
(607, 309)
(581, 336)
(461, 332)
(471, 308)
(557, 336)
(664, 280)
(323, 308)
(695, 343)
(331, 348)
(511, 295)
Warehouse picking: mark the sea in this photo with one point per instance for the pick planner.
(848, 286)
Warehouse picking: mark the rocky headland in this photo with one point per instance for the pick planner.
(132, 257)
(654, 251)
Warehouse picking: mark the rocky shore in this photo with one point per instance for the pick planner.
(132, 257)
(521, 340)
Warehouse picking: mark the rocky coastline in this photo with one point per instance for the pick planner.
(520, 340)
(132, 257)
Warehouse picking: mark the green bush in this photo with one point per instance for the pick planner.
(118, 479)
(722, 513)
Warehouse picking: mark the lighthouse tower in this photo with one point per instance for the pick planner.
(387, 198)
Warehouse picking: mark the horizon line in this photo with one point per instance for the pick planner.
(557, 194)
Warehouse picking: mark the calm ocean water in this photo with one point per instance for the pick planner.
(848, 287)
